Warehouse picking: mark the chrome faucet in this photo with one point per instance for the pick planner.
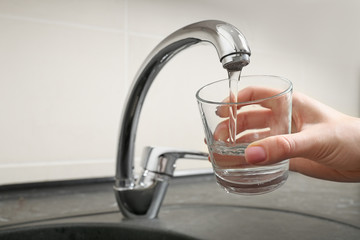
(142, 198)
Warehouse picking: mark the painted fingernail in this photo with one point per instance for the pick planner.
(255, 154)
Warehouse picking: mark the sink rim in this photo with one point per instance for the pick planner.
(83, 226)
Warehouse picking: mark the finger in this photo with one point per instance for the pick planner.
(254, 93)
(254, 136)
(227, 161)
(256, 119)
(278, 148)
(245, 95)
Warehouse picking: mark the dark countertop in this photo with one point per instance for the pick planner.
(195, 205)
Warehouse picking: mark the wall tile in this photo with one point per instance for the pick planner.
(106, 14)
(162, 17)
(66, 67)
(63, 91)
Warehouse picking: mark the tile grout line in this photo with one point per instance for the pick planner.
(126, 32)
(60, 23)
(56, 163)
(126, 45)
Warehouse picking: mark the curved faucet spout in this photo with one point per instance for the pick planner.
(234, 54)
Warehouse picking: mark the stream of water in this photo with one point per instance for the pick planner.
(234, 78)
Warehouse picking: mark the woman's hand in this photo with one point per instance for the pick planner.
(324, 143)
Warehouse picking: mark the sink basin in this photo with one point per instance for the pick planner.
(88, 231)
(303, 209)
(198, 221)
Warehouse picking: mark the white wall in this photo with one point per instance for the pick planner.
(66, 66)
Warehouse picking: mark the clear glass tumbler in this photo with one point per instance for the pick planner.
(263, 109)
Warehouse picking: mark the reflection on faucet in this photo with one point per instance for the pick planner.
(143, 198)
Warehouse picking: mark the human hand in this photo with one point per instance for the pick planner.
(255, 120)
(324, 143)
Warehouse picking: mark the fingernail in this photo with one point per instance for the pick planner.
(218, 111)
(255, 154)
(221, 132)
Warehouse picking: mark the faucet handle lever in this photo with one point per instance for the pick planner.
(162, 160)
(146, 196)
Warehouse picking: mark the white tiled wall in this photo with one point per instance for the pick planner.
(66, 66)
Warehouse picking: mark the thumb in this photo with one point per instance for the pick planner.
(278, 148)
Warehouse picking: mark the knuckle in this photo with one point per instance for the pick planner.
(286, 145)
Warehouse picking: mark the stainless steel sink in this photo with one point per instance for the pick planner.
(88, 231)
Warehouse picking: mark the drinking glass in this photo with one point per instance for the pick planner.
(263, 109)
